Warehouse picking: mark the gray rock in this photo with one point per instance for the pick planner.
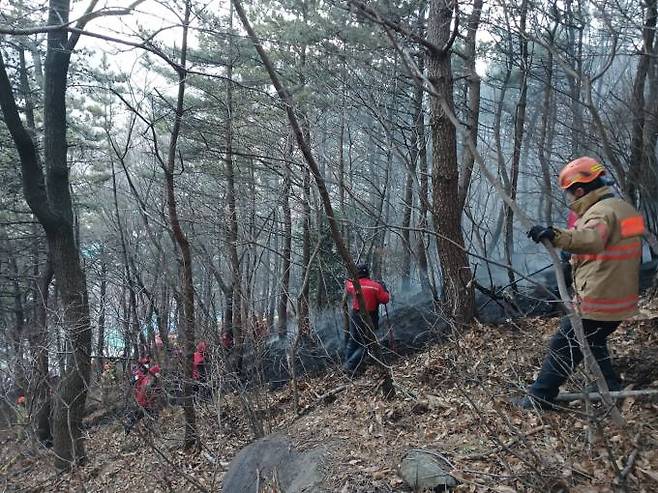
(424, 470)
(275, 456)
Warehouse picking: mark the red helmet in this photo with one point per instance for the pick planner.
(582, 170)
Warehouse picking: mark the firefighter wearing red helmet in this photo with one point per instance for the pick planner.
(147, 396)
(374, 294)
(606, 249)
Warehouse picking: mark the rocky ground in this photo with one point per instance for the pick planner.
(452, 400)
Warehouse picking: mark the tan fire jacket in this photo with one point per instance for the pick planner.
(607, 248)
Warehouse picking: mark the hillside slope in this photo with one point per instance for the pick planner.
(452, 399)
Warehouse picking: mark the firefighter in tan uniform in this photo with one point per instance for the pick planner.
(606, 253)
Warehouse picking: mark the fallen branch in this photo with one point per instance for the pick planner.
(320, 400)
(630, 462)
(596, 396)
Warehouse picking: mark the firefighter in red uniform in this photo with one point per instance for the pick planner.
(200, 370)
(199, 362)
(147, 395)
(374, 294)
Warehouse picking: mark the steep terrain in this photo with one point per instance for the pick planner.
(453, 399)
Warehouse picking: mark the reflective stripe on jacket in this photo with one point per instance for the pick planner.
(607, 250)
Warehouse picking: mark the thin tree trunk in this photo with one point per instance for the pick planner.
(191, 438)
(422, 245)
(473, 99)
(302, 300)
(303, 312)
(545, 146)
(574, 50)
(284, 293)
(406, 217)
(647, 181)
(232, 220)
(519, 122)
(100, 346)
(638, 103)
(39, 403)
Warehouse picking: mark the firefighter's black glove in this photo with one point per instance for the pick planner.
(541, 233)
(565, 257)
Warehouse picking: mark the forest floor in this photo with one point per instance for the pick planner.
(452, 398)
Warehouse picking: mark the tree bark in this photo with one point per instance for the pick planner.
(457, 288)
(638, 103)
(303, 312)
(574, 48)
(50, 200)
(426, 280)
(232, 221)
(284, 292)
(39, 398)
(17, 333)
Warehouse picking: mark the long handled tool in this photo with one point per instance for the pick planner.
(391, 336)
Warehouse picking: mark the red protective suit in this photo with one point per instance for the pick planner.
(198, 361)
(374, 294)
(146, 387)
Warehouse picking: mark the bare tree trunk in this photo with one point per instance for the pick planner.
(302, 300)
(519, 122)
(638, 103)
(17, 332)
(574, 48)
(473, 99)
(232, 221)
(129, 281)
(100, 346)
(284, 293)
(39, 404)
(406, 217)
(191, 439)
(647, 181)
(545, 146)
(495, 236)
(457, 288)
(303, 312)
(422, 245)
(49, 199)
